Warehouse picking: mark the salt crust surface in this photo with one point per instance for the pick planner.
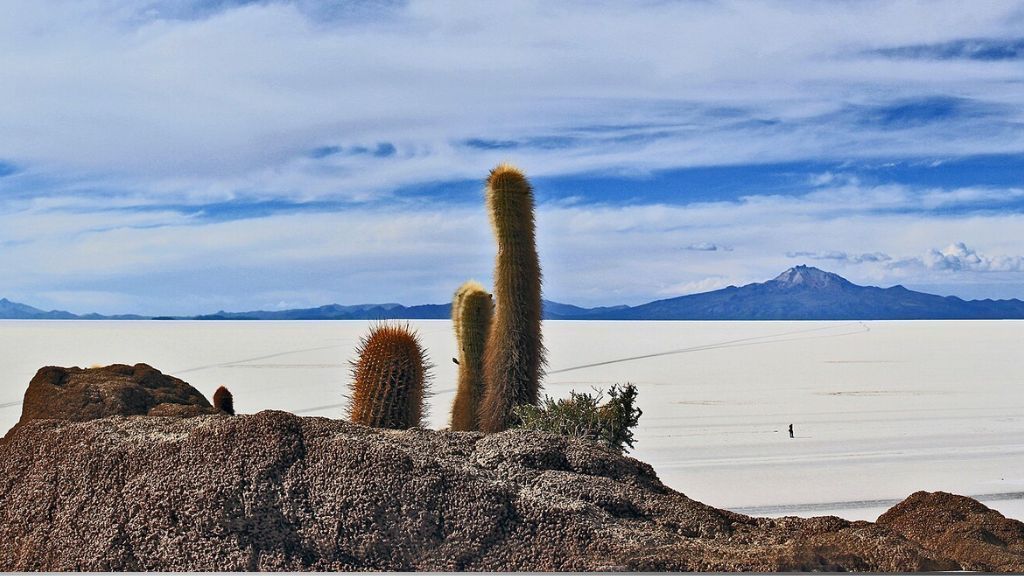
(880, 409)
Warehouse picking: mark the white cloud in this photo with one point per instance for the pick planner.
(841, 256)
(232, 101)
(957, 257)
(707, 247)
(114, 111)
(694, 287)
(122, 260)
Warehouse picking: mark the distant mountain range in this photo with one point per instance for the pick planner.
(800, 293)
(15, 311)
(806, 293)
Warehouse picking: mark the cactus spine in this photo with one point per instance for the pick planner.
(472, 309)
(389, 379)
(514, 353)
(224, 401)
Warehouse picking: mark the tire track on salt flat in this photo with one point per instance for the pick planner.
(751, 341)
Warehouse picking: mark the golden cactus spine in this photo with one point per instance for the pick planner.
(472, 310)
(514, 353)
(389, 379)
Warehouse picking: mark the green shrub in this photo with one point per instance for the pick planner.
(582, 415)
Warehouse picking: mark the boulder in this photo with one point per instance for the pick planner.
(80, 394)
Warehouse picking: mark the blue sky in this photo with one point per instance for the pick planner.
(183, 157)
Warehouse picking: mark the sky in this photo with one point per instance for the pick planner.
(188, 156)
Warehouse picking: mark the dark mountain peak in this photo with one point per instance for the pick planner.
(11, 305)
(808, 277)
(19, 311)
(808, 293)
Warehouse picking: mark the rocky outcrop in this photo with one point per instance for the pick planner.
(274, 491)
(965, 530)
(104, 473)
(81, 394)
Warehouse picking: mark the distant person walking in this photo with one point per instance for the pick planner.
(790, 430)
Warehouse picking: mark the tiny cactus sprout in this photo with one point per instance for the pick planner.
(224, 401)
(472, 309)
(390, 379)
(514, 353)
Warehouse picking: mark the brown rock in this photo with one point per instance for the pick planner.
(118, 390)
(273, 491)
(961, 528)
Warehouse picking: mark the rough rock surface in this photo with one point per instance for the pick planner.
(964, 529)
(274, 491)
(117, 390)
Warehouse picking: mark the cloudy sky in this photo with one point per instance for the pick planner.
(189, 156)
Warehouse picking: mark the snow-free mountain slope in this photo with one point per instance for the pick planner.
(807, 293)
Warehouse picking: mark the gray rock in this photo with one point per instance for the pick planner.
(274, 491)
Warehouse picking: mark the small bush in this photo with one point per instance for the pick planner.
(583, 416)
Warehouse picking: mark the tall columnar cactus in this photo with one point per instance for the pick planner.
(472, 309)
(514, 354)
(389, 379)
(224, 401)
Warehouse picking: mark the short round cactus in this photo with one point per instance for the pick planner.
(390, 379)
(224, 401)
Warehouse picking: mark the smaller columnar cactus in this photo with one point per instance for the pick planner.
(224, 401)
(472, 309)
(390, 379)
